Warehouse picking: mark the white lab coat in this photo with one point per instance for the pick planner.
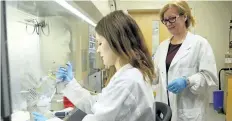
(126, 98)
(195, 59)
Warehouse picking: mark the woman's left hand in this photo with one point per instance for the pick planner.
(39, 117)
(177, 85)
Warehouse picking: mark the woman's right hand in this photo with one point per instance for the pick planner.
(65, 74)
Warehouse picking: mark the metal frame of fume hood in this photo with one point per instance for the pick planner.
(6, 107)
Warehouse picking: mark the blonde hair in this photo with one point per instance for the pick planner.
(183, 9)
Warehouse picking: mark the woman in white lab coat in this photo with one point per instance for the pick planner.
(128, 95)
(185, 65)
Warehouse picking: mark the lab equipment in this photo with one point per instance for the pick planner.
(38, 98)
(65, 74)
(68, 114)
(59, 114)
(63, 113)
(218, 95)
(76, 115)
(95, 81)
(67, 102)
(20, 116)
(218, 99)
(6, 107)
(43, 55)
(57, 102)
(163, 112)
(228, 54)
(69, 76)
(228, 59)
(37, 26)
(60, 74)
(177, 85)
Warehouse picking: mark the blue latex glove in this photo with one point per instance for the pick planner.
(177, 85)
(65, 74)
(60, 74)
(38, 117)
(69, 75)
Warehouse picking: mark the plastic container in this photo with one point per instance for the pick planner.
(218, 99)
(67, 102)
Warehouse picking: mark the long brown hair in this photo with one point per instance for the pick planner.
(126, 40)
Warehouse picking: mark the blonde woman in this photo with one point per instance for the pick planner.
(186, 65)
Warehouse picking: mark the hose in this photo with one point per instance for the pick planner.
(219, 75)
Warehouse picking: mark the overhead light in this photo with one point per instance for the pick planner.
(75, 11)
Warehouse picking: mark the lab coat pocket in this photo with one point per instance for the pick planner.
(190, 114)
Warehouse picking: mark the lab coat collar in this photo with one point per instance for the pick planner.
(184, 48)
(122, 69)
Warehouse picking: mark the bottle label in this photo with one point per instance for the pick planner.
(228, 60)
